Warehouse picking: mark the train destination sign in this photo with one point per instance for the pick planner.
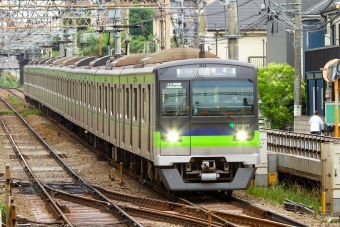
(207, 71)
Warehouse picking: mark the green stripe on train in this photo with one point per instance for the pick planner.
(208, 141)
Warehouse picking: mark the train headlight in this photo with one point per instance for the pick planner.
(174, 136)
(241, 136)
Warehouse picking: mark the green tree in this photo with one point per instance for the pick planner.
(141, 45)
(276, 94)
(92, 47)
(141, 17)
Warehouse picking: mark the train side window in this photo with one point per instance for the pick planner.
(90, 94)
(77, 92)
(99, 98)
(69, 90)
(81, 93)
(74, 91)
(127, 103)
(143, 107)
(85, 94)
(112, 100)
(105, 99)
(135, 112)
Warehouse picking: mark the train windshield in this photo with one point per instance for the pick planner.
(174, 99)
(222, 97)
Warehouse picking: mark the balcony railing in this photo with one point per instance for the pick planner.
(259, 61)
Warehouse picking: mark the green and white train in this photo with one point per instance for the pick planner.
(188, 123)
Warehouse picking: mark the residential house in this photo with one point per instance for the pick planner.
(252, 17)
(320, 92)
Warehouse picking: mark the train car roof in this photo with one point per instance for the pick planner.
(174, 55)
(206, 61)
(133, 59)
(130, 61)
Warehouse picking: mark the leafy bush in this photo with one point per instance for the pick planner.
(7, 80)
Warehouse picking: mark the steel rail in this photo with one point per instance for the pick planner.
(56, 210)
(262, 213)
(119, 213)
(192, 209)
(251, 210)
(157, 213)
(254, 211)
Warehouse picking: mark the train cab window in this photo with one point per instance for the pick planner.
(221, 97)
(174, 101)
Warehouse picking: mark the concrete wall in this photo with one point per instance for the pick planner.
(301, 124)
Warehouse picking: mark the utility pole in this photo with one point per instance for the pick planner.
(297, 59)
(127, 33)
(181, 25)
(233, 30)
(196, 23)
(74, 38)
(165, 25)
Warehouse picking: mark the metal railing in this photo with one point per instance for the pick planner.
(298, 144)
(259, 61)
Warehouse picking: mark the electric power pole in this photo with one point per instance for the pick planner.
(297, 60)
(233, 30)
(196, 23)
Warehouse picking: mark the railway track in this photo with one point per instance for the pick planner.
(187, 213)
(32, 150)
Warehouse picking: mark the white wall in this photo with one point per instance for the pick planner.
(250, 45)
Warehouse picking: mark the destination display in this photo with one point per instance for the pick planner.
(207, 71)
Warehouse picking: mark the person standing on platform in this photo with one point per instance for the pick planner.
(315, 123)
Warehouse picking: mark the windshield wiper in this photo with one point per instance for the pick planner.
(231, 117)
(180, 106)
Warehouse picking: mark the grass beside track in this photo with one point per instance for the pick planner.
(27, 112)
(2, 112)
(14, 101)
(296, 193)
(49, 126)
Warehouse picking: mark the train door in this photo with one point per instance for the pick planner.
(175, 118)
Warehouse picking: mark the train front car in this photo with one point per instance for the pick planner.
(207, 132)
